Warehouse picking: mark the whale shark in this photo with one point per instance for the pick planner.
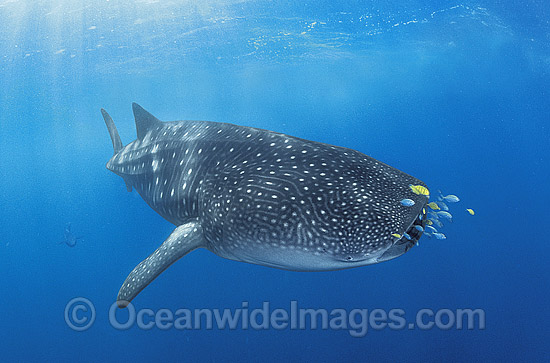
(263, 197)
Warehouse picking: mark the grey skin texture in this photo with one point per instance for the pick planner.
(262, 197)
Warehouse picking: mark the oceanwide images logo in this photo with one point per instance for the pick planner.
(80, 315)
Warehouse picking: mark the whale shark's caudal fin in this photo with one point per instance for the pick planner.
(115, 138)
(144, 120)
(113, 132)
(183, 240)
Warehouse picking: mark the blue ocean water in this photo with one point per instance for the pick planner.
(455, 94)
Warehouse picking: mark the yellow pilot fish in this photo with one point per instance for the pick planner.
(420, 190)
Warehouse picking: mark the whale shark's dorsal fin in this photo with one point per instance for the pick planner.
(144, 120)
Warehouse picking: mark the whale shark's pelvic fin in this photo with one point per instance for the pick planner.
(115, 138)
(183, 240)
(144, 120)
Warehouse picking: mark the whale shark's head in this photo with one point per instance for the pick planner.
(374, 239)
(377, 227)
(345, 228)
(331, 208)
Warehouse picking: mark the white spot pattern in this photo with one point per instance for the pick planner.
(261, 196)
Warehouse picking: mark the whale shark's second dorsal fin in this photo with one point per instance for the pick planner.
(144, 120)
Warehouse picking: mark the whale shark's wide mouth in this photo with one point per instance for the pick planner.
(414, 232)
(409, 239)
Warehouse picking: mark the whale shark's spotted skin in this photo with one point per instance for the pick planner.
(263, 197)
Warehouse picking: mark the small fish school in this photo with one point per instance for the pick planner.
(438, 211)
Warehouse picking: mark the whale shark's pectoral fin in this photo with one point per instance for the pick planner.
(183, 240)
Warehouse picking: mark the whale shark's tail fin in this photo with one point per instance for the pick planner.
(113, 132)
(115, 138)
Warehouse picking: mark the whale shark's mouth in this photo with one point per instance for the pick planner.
(414, 232)
(404, 244)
